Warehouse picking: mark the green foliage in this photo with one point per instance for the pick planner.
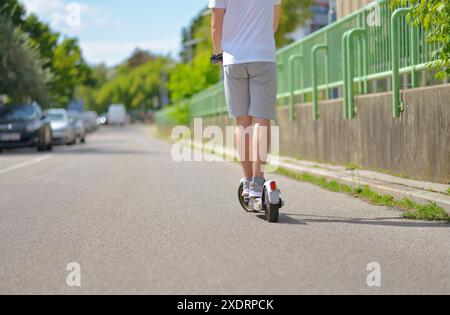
(134, 88)
(193, 76)
(352, 166)
(69, 71)
(41, 37)
(61, 58)
(12, 9)
(429, 212)
(293, 14)
(434, 15)
(99, 75)
(180, 114)
(185, 80)
(22, 73)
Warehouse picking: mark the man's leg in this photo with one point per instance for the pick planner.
(261, 140)
(243, 125)
(263, 94)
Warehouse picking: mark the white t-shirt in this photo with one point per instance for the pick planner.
(248, 30)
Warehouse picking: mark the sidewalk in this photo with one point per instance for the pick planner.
(419, 191)
(384, 184)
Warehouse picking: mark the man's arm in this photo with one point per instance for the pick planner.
(276, 17)
(217, 29)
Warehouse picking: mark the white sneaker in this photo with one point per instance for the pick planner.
(256, 190)
(246, 191)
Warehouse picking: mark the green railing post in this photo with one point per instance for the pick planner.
(292, 111)
(395, 56)
(345, 74)
(315, 49)
(414, 55)
(327, 68)
(365, 55)
(350, 55)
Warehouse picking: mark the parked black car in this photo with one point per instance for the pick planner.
(24, 126)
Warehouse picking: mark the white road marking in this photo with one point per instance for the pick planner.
(24, 164)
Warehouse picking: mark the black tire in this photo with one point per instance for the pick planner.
(45, 143)
(41, 145)
(49, 144)
(83, 140)
(271, 211)
(244, 204)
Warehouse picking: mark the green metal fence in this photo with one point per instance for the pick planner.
(373, 43)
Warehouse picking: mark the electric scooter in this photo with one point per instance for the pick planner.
(270, 203)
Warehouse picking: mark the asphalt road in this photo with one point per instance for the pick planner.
(137, 222)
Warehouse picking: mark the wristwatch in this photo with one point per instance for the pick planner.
(216, 59)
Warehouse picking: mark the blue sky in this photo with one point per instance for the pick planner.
(109, 30)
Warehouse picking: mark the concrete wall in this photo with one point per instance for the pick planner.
(345, 7)
(416, 145)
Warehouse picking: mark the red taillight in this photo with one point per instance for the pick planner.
(273, 186)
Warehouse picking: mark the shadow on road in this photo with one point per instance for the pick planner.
(394, 222)
(284, 219)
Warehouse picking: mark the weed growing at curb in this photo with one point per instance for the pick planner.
(413, 210)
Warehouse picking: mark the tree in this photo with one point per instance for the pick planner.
(294, 13)
(188, 78)
(14, 10)
(69, 71)
(22, 74)
(134, 87)
(138, 58)
(434, 16)
(62, 58)
(42, 37)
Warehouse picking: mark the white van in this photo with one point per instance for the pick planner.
(117, 115)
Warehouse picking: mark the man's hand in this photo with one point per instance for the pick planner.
(217, 29)
(217, 59)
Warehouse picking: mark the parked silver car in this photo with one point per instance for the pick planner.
(90, 121)
(77, 122)
(63, 131)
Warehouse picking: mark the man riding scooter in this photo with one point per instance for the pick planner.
(243, 39)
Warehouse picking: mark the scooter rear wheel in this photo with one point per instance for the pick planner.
(272, 212)
(242, 201)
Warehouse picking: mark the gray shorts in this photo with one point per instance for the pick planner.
(251, 89)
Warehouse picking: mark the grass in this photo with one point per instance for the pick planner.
(429, 212)
(413, 210)
(448, 191)
(352, 166)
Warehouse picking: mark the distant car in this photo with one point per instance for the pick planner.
(90, 121)
(102, 119)
(117, 115)
(24, 126)
(77, 122)
(63, 131)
